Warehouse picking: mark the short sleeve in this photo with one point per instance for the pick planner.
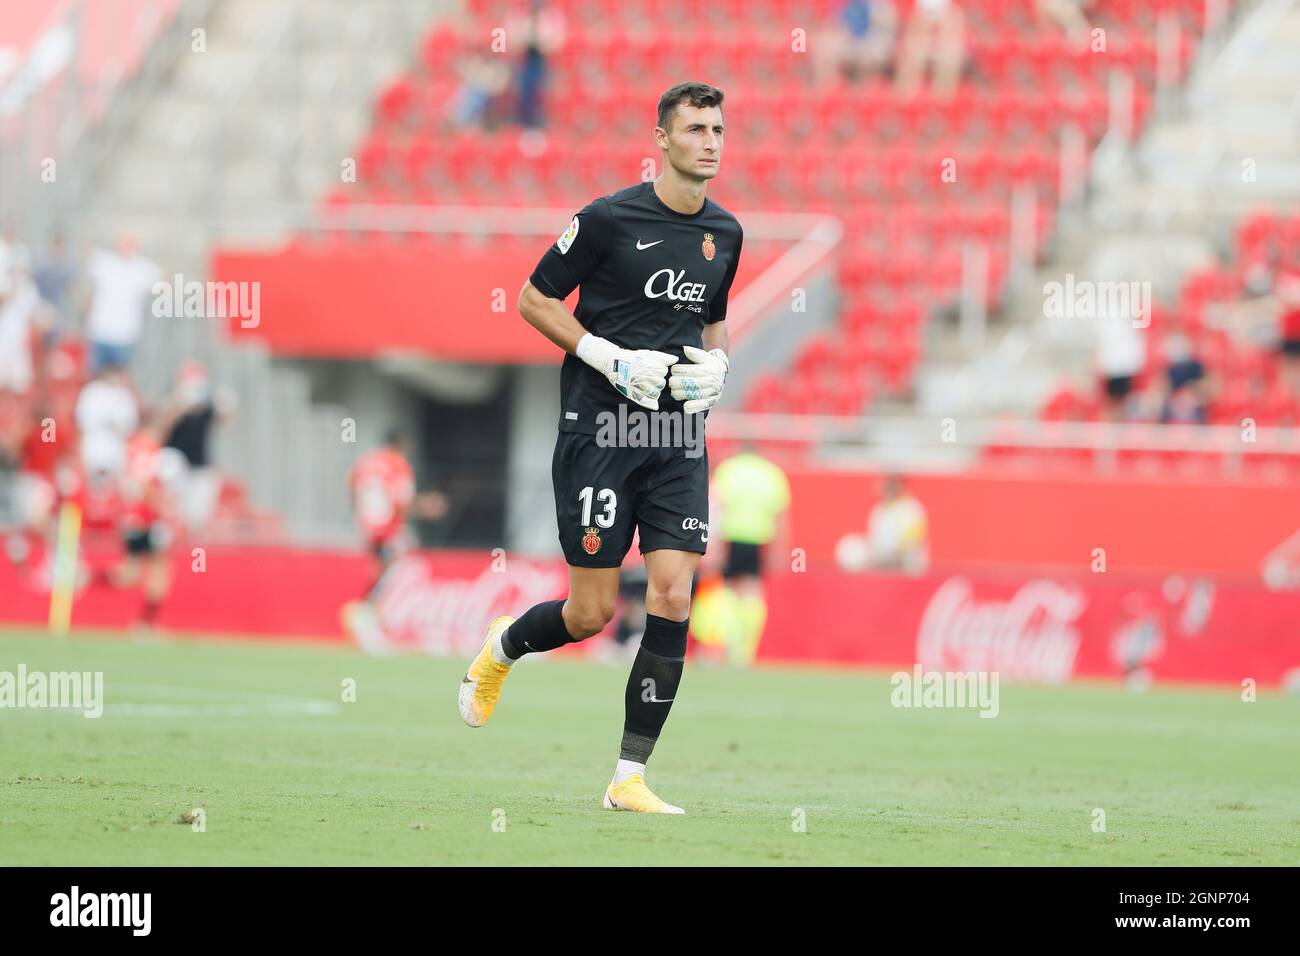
(578, 251)
(718, 307)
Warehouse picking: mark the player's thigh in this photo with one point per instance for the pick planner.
(596, 490)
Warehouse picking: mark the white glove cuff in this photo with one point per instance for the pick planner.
(596, 352)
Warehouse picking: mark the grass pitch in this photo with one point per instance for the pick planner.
(258, 737)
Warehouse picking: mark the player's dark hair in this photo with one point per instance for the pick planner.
(686, 94)
(394, 437)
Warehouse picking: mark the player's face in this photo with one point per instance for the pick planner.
(694, 143)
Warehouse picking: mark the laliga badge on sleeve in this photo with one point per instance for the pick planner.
(567, 238)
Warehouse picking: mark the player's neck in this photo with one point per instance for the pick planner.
(680, 195)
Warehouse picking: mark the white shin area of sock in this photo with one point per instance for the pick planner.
(499, 652)
(626, 768)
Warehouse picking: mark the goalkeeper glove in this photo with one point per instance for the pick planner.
(637, 374)
(699, 382)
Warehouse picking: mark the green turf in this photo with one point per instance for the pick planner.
(257, 736)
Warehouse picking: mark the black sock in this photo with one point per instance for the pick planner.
(652, 685)
(540, 628)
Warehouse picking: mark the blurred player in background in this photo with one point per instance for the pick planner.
(36, 491)
(754, 498)
(147, 513)
(655, 263)
(382, 482)
(631, 618)
(383, 492)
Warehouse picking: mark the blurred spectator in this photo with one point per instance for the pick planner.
(897, 537)
(859, 46)
(1121, 356)
(14, 255)
(1068, 15)
(54, 276)
(122, 282)
(935, 39)
(1187, 392)
(196, 484)
(1288, 320)
(107, 415)
(542, 30)
(483, 80)
(19, 314)
(897, 530)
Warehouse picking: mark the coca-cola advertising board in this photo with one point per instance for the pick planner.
(1025, 626)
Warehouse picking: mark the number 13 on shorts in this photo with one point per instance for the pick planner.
(606, 497)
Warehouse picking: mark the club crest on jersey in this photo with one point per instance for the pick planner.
(708, 248)
(591, 541)
(567, 237)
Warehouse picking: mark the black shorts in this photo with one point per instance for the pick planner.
(743, 560)
(141, 542)
(603, 493)
(1119, 386)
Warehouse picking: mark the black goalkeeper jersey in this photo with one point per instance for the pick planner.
(649, 278)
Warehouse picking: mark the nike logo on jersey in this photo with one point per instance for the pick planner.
(648, 244)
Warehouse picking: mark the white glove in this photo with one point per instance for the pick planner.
(699, 382)
(639, 375)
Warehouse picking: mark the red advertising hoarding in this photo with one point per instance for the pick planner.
(1026, 626)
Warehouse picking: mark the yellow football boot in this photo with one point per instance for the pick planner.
(480, 688)
(633, 794)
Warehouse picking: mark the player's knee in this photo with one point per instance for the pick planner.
(587, 620)
(672, 601)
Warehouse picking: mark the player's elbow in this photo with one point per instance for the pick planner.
(530, 302)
